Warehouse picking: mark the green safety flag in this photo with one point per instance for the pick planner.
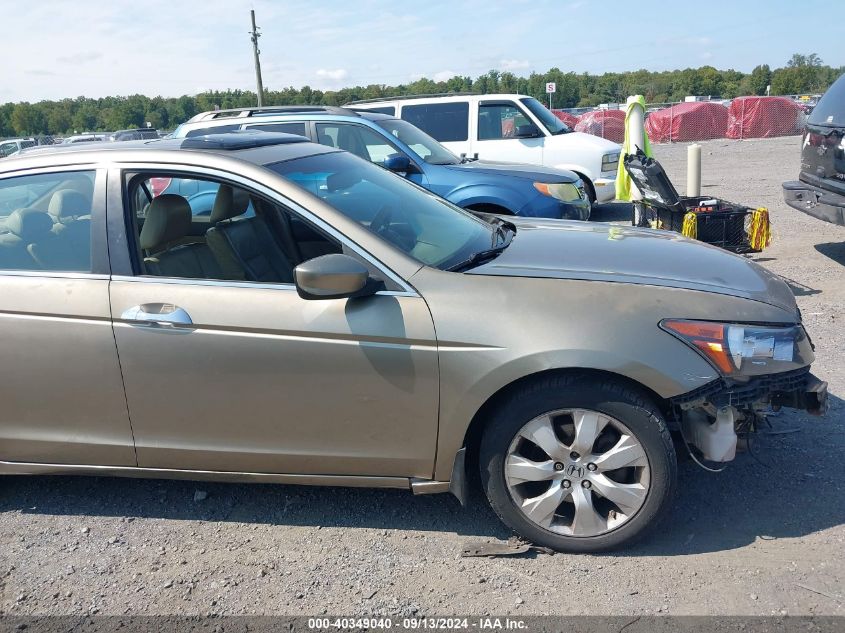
(623, 180)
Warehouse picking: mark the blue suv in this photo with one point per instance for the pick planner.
(490, 187)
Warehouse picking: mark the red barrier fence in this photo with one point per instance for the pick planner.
(762, 117)
(740, 118)
(570, 119)
(609, 124)
(694, 121)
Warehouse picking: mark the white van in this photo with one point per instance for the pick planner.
(512, 128)
(12, 146)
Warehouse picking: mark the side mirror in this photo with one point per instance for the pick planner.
(398, 163)
(529, 130)
(334, 276)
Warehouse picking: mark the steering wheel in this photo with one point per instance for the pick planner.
(381, 220)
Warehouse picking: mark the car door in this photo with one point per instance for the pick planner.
(495, 135)
(243, 376)
(61, 393)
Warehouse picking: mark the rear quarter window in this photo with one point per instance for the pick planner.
(444, 121)
(218, 129)
(391, 110)
(285, 128)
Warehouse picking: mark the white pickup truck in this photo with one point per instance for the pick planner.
(511, 128)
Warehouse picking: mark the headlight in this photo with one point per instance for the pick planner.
(736, 349)
(564, 191)
(610, 162)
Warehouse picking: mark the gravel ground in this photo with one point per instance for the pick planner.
(765, 537)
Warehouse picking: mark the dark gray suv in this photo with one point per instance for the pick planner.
(820, 188)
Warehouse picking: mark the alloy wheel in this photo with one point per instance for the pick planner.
(577, 472)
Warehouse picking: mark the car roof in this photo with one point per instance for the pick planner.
(260, 148)
(434, 98)
(277, 115)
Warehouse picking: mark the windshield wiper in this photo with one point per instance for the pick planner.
(503, 230)
(478, 258)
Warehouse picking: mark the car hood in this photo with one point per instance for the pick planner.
(583, 141)
(535, 173)
(601, 252)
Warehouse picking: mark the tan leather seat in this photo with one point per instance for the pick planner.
(68, 205)
(168, 252)
(244, 247)
(24, 226)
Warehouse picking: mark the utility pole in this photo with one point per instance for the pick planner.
(254, 35)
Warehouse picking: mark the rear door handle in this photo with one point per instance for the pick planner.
(158, 314)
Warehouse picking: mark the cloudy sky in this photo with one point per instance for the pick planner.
(54, 49)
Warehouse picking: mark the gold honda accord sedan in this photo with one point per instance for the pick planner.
(255, 307)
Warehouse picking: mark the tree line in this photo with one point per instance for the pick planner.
(801, 74)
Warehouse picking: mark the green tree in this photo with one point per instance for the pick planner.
(27, 119)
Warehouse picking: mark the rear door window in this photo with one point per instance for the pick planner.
(45, 222)
(357, 139)
(444, 121)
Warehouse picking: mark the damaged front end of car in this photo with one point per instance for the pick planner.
(763, 368)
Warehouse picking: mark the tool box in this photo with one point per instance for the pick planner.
(728, 225)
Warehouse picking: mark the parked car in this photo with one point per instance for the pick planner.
(820, 188)
(12, 146)
(509, 127)
(133, 135)
(359, 330)
(83, 138)
(504, 188)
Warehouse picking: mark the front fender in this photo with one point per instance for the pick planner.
(578, 169)
(500, 196)
(495, 330)
(458, 412)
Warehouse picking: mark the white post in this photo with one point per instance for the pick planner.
(636, 134)
(694, 170)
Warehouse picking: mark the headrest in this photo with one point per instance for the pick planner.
(229, 203)
(68, 204)
(30, 224)
(168, 219)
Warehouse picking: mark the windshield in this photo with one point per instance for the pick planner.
(425, 147)
(830, 109)
(547, 118)
(7, 149)
(417, 222)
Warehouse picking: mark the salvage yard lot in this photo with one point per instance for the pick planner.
(767, 536)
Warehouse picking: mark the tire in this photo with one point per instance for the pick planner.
(589, 189)
(560, 402)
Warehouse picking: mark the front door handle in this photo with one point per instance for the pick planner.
(160, 314)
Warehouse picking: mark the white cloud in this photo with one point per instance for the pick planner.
(513, 64)
(334, 74)
(444, 75)
(80, 58)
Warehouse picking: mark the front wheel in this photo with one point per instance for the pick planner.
(578, 464)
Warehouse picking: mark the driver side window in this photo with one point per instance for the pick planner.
(499, 121)
(202, 228)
